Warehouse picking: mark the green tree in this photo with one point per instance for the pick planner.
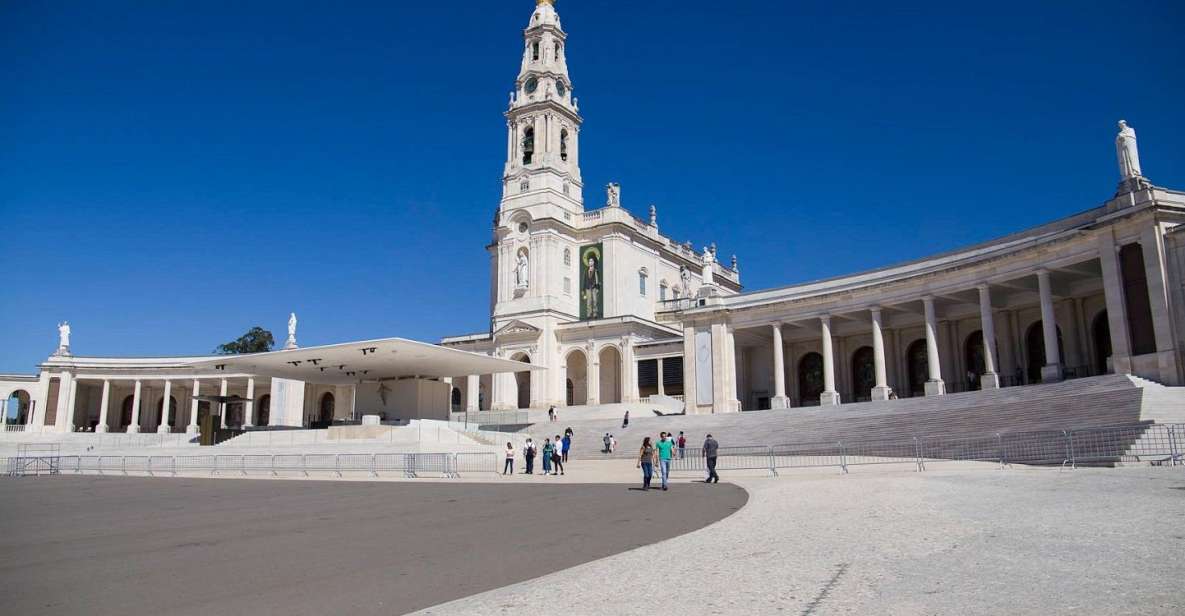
(256, 340)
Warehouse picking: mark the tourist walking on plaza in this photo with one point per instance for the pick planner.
(646, 462)
(529, 456)
(567, 444)
(666, 447)
(711, 447)
(551, 414)
(608, 443)
(548, 450)
(508, 466)
(612, 443)
(557, 457)
(682, 442)
(625, 421)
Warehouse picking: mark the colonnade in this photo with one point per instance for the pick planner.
(990, 379)
(66, 405)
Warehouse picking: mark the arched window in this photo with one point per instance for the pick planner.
(567, 257)
(456, 399)
(564, 144)
(642, 274)
(973, 358)
(810, 379)
(535, 51)
(918, 363)
(558, 48)
(662, 291)
(528, 145)
(1101, 332)
(863, 373)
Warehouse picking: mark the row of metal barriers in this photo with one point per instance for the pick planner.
(411, 465)
(1146, 443)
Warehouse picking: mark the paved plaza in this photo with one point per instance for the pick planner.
(963, 541)
(108, 545)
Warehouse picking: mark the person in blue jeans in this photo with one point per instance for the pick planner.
(646, 462)
(567, 444)
(666, 447)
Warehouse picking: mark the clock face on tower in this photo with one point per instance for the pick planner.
(531, 85)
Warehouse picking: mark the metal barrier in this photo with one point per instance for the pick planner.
(858, 453)
(475, 463)
(727, 459)
(807, 455)
(1159, 444)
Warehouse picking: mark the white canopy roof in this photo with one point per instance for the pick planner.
(369, 360)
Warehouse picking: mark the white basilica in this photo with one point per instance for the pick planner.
(596, 306)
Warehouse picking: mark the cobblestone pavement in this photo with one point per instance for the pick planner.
(963, 541)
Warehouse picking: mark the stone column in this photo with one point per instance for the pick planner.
(882, 390)
(249, 405)
(661, 389)
(472, 393)
(779, 401)
(829, 397)
(1121, 362)
(134, 426)
(629, 371)
(934, 384)
(62, 418)
(37, 415)
(164, 408)
(222, 405)
(990, 378)
(593, 378)
(732, 399)
(1151, 243)
(1051, 372)
(104, 403)
(193, 409)
(72, 404)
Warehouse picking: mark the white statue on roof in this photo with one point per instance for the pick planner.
(63, 338)
(1128, 152)
(291, 343)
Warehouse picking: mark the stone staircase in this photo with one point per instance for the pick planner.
(1092, 402)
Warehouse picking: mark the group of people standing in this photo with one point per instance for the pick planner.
(659, 455)
(553, 452)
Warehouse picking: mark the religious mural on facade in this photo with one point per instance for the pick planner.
(592, 301)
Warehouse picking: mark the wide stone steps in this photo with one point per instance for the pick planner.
(1094, 402)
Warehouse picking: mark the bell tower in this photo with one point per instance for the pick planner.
(542, 171)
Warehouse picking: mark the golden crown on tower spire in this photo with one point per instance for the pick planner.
(539, 2)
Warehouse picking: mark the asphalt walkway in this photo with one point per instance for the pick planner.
(128, 546)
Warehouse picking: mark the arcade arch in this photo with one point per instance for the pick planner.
(610, 374)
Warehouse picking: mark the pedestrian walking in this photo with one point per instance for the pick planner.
(612, 443)
(557, 457)
(666, 448)
(711, 447)
(567, 444)
(551, 414)
(508, 466)
(646, 462)
(682, 442)
(529, 456)
(625, 421)
(608, 443)
(548, 450)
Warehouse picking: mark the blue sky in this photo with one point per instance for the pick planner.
(173, 173)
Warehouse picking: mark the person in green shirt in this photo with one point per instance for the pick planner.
(665, 446)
